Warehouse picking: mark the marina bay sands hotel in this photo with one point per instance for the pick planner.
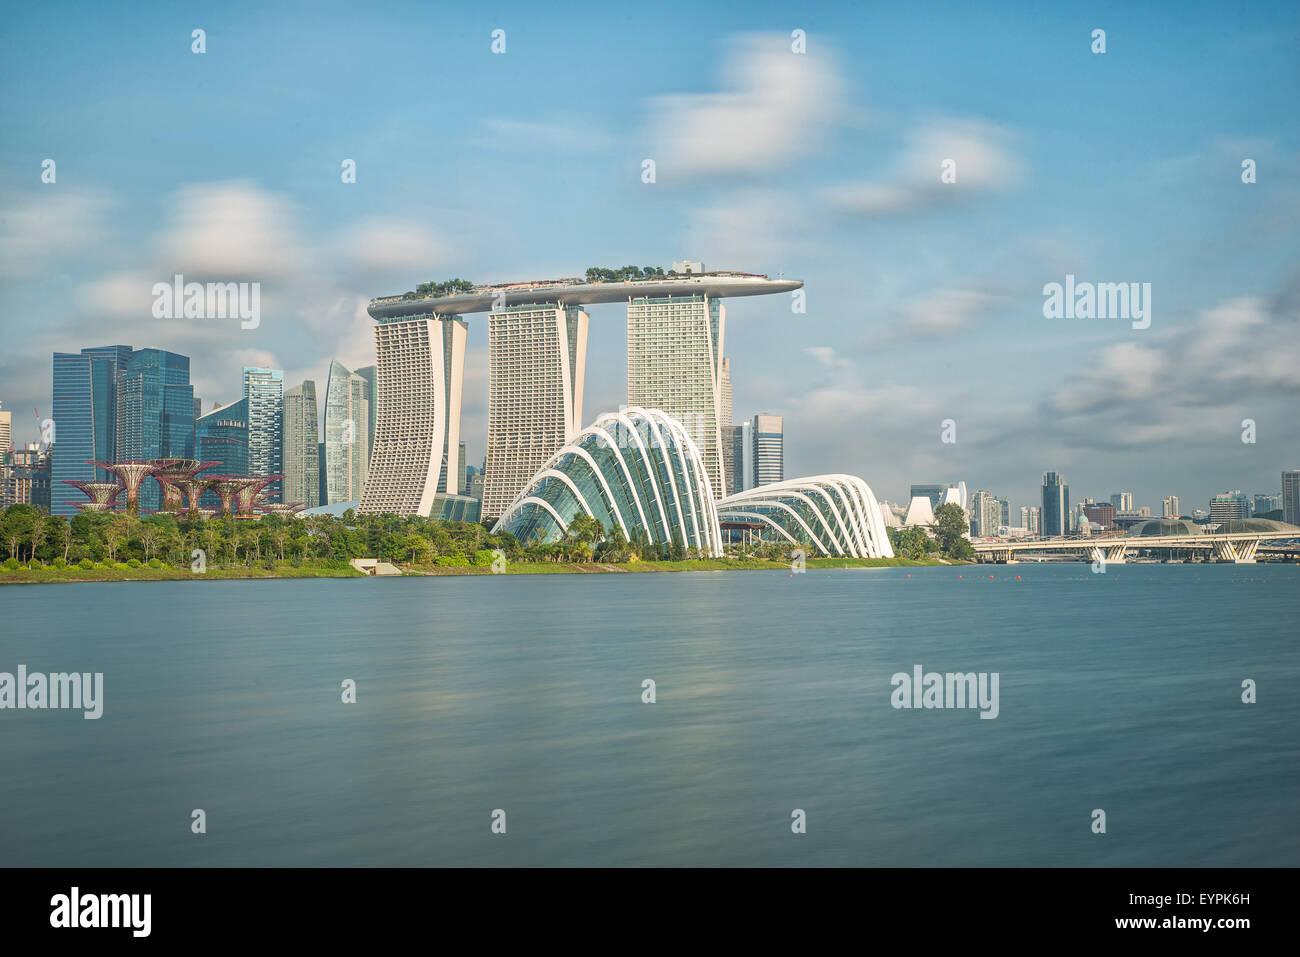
(537, 341)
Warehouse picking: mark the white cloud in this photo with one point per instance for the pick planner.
(754, 229)
(40, 228)
(232, 231)
(531, 136)
(388, 247)
(979, 150)
(946, 311)
(776, 108)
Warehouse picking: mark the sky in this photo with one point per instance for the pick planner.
(924, 299)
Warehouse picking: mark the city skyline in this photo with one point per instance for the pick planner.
(921, 306)
(110, 380)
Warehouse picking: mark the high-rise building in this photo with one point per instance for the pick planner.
(1169, 506)
(108, 367)
(1035, 520)
(27, 477)
(1102, 516)
(371, 375)
(85, 416)
(726, 393)
(347, 434)
(322, 496)
(301, 445)
(733, 450)
(417, 447)
(985, 514)
(155, 413)
(1123, 501)
(1265, 503)
(537, 358)
(264, 390)
(462, 481)
(674, 363)
(1291, 496)
(1006, 511)
(769, 449)
(1056, 506)
(6, 432)
(1227, 506)
(221, 437)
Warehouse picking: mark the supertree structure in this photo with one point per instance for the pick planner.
(250, 488)
(193, 489)
(226, 487)
(101, 494)
(170, 476)
(282, 509)
(130, 474)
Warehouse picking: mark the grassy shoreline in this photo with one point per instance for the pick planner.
(52, 575)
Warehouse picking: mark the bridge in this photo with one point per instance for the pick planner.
(1237, 547)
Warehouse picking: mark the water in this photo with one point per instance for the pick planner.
(1118, 691)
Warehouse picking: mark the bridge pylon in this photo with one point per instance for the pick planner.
(1238, 552)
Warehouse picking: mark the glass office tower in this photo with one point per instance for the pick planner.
(155, 414)
(264, 390)
(1056, 505)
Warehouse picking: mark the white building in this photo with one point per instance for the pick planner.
(537, 358)
(420, 372)
(674, 363)
(919, 512)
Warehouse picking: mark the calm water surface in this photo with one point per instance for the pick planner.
(1118, 691)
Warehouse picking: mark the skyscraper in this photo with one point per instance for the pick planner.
(537, 356)
(108, 367)
(417, 445)
(1227, 506)
(264, 390)
(347, 434)
(675, 363)
(462, 481)
(155, 413)
(301, 444)
(1291, 496)
(1265, 503)
(6, 432)
(985, 514)
(221, 436)
(1056, 505)
(1169, 506)
(27, 477)
(769, 449)
(726, 391)
(85, 416)
(1123, 501)
(371, 375)
(733, 457)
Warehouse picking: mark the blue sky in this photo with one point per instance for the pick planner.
(924, 299)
